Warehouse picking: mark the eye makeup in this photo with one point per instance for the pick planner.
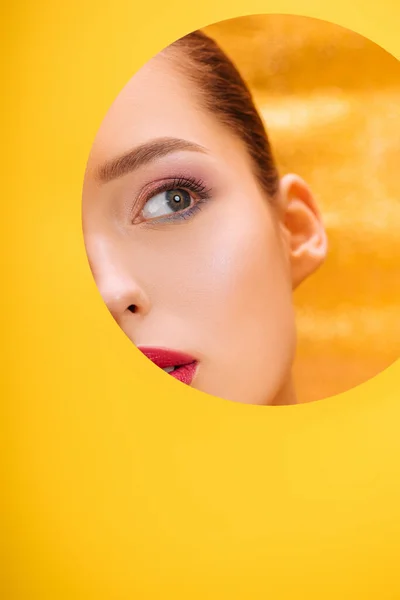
(199, 175)
(195, 187)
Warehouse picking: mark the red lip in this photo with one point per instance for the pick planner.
(185, 365)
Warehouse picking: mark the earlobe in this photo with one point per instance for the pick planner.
(301, 219)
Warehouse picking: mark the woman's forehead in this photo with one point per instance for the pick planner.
(154, 103)
(158, 102)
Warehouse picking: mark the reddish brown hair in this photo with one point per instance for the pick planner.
(224, 92)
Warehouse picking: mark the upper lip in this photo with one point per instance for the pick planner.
(163, 357)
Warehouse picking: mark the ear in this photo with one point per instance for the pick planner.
(304, 232)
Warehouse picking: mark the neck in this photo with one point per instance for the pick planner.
(286, 395)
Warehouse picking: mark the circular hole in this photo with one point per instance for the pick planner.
(211, 272)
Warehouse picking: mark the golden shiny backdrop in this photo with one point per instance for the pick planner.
(330, 100)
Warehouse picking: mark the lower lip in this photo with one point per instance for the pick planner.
(185, 373)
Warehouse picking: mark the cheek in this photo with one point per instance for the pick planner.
(248, 280)
(224, 273)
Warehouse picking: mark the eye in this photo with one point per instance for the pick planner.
(167, 202)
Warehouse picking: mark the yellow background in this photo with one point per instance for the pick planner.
(330, 99)
(119, 482)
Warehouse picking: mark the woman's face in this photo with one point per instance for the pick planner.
(185, 248)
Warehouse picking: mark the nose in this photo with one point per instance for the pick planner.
(116, 279)
(121, 292)
(124, 297)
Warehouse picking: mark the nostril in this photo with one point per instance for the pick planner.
(132, 308)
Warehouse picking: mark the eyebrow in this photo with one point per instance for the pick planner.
(144, 154)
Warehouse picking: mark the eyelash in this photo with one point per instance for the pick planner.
(189, 184)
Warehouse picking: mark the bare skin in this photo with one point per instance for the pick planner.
(215, 279)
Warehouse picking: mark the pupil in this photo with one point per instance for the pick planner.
(178, 199)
